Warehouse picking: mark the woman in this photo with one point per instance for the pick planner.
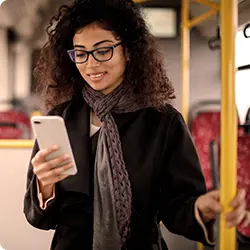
(137, 165)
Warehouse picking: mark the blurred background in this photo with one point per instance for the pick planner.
(22, 35)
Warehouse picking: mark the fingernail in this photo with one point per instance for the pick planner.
(55, 147)
(66, 157)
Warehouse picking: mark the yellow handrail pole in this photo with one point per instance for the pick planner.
(229, 25)
(18, 144)
(199, 19)
(208, 3)
(200, 246)
(185, 54)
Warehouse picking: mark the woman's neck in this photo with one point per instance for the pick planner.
(94, 119)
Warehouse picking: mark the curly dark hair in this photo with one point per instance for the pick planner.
(57, 76)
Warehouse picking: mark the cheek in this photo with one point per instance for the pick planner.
(81, 68)
(118, 65)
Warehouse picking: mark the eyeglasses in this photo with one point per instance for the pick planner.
(102, 54)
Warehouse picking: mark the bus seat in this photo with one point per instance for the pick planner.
(205, 127)
(14, 125)
(10, 131)
(243, 174)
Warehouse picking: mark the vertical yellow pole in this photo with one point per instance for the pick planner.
(200, 246)
(229, 10)
(185, 53)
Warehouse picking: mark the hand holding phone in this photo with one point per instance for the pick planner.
(50, 131)
(47, 172)
(55, 160)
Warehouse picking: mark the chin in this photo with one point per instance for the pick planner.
(100, 87)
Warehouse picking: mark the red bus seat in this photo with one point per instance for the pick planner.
(22, 128)
(205, 127)
(243, 174)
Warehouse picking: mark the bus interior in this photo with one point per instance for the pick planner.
(22, 35)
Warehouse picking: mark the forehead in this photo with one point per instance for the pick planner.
(92, 34)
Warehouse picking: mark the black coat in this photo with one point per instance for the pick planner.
(164, 171)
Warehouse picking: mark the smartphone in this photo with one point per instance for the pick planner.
(50, 131)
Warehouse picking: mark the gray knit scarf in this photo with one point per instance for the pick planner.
(112, 188)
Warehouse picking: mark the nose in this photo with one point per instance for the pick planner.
(92, 62)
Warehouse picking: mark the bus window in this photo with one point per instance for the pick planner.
(242, 82)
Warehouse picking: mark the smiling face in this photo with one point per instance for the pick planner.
(101, 76)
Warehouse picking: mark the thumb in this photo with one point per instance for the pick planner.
(213, 205)
(209, 203)
(214, 194)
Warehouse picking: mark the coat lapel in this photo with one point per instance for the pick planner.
(77, 120)
(124, 118)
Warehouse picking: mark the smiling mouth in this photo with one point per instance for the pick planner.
(96, 76)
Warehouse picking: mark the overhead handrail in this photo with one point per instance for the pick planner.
(214, 42)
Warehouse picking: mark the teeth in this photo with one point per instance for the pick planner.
(96, 76)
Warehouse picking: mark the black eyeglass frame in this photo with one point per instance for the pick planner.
(91, 52)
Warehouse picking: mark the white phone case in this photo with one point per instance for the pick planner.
(50, 131)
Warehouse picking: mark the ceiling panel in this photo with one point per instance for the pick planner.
(208, 27)
(162, 3)
(29, 16)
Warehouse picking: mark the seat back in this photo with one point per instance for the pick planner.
(205, 128)
(243, 174)
(14, 125)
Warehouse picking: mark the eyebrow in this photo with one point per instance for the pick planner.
(96, 44)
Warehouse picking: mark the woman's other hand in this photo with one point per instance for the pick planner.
(209, 205)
